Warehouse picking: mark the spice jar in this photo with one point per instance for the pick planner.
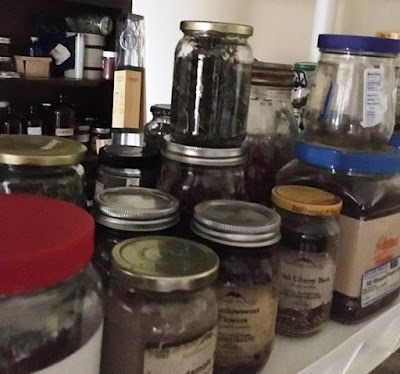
(159, 126)
(307, 256)
(161, 313)
(211, 85)
(367, 258)
(82, 132)
(244, 236)
(351, 103)
(99, 137)
(128, 212)
(109, 58)
(51, 313)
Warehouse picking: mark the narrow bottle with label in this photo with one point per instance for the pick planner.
(63, 118)
(34, 125)
(12, 124)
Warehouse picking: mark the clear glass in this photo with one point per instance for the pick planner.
(271, 137)
(155, 130)
(300, 95)
(41, 328)
(397, 110)
(211, 90)
(337, 112)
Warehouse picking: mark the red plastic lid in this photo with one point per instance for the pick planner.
(43, 241)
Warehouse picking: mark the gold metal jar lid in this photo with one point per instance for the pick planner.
(164, 264)
(222, 27)
(39, 150)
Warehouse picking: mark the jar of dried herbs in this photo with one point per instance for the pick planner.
(211, 86)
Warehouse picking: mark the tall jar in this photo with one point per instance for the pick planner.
(244, 236)
(161, 313)
(211, 85)
(271, 128)
(351, 103)
(159, 126)
(51, 312)
(307, 257)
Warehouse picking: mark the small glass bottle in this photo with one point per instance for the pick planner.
(159, 126)
(63, 120)
(34, 49)
(12, 125)
(46, 114)
(34, 125)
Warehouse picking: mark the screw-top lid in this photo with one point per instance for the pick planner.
(305, 66)
(40, 150)
(161, 109)
(388, 34)
(236, 223)
(43, 241)
(221, 27)
(128, 157)
(136, 209)
(306, 200)
(164, 264)
(109, 54)
(99, 130)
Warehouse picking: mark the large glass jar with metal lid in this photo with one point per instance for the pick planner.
(42, 165)
(307, 257)
(211, 86)
(193, 175)
(351, 103)
(271, 128)
(244, 236)
(51, 312)
(161, 313)
(159, 126)
(127, 212)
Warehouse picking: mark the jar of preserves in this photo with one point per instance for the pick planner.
(51, 312)
(161, 312)
(307, 257)
(42, 165)
(271, 128)
(128, 212)
(211, 86)
(367, 258)
(351, 103)
(159, 126)
(244, 236)
(193, 175)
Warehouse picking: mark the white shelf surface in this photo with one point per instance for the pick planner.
(339, 349)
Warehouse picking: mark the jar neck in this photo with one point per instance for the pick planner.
(218, 36)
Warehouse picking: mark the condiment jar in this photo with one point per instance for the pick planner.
(211, 85)
(42, 165)
(99, 137)
(307, 256)
(159, 126)
(109, 58)
(244, 236)
(351, 103)
(51, 313)
(128, 212)
(161, 313)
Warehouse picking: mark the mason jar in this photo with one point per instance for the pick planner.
(159, 126)
(211, 84)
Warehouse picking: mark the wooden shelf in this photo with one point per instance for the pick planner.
(56, 82)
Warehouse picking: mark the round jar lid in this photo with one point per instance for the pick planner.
(161, 109)
(128, 157)
(236, 223)
(98, 130)
(221, 27)
(43, 241)
(305, 200)
(109, 54)
(40, 150)
(164, 264)
(136, 209)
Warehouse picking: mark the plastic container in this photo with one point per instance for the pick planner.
(367, 257)
(351, 103)
(158, 127)
(109, 58)
(51, 313)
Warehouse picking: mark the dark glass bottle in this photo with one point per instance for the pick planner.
(46, 115)
(12, 125)
(63, 121)
(34, 125)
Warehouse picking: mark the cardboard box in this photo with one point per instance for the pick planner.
(33, 67)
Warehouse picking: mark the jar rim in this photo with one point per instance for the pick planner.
(220, 27)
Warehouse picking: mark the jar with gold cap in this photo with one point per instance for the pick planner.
(42, 165)
(161, 313)
(307, 257)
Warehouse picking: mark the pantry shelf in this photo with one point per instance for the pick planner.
(56, 82)
(339, 349)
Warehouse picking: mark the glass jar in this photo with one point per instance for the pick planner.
(99, 136)
(82, 132)
(307, 257)
(51, 313)
(271, 128)
(46, 113)
(244, 236)
(33, 123)
(5, 44)
(108, 64)
(63, 119)
(158, 127)
(128, 212)
(211, 86)
(161, 312)
(42, 165)
(367, 258)
(91, 24)
(193, 175)
(351, 103)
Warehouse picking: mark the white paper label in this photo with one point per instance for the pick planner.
(101, 143)
(83, 138)
(34, 130)
(373, 111)
(132, 182)
(65, 132)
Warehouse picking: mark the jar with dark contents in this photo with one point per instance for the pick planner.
(307, 256)
(158, 127)
(128, 212)
(244, 236)
(99, 137)
(161, 313)
(82, 133)
(51, 312)
(211, 85)
(367, 263)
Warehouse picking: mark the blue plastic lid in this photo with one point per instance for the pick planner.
(384, 162)
(355, 43)
(395, 140)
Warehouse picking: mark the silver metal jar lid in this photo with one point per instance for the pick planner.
(221, 27)
(201, 156)
(136, 209)
(236, 223)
